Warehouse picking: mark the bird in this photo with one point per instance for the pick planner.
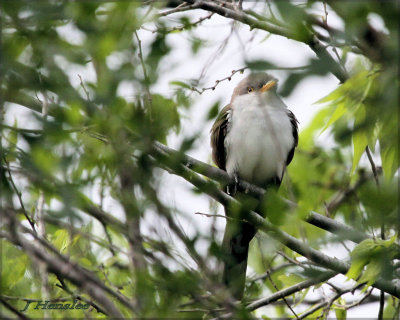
(253, 139)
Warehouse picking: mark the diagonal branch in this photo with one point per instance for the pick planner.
(281, 294)
(20, 315)
(290, 290)
(262, 224)
(221, 176)
(63, 267)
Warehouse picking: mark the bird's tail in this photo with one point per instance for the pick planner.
(237, 237)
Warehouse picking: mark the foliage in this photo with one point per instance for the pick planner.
(83, 216)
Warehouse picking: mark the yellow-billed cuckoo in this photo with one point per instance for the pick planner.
(253, 138)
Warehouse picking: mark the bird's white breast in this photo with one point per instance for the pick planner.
(259, 138)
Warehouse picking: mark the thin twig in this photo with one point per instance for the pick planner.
(311, 40)
(241, 70)
(13, 310)
(99, 241)
(83, 87)
(373, 166)
(343, 195)
(146, 78)
(359, 302)
(326, 304)
(293, 261)
(182, 7)
(79, 297)
(41, 131)
(213, 215)
(217, 82)
(290, 290)
(271, 270)
(270, 9)
(179, 28)
(218, 53)
(273, 282)
(19, 195)
(375, 172)
(41, 230)
(63, 267)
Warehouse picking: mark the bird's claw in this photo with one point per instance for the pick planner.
(234, 187)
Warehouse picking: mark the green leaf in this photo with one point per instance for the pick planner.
(180, 84)
(360, 138)
(303, 296)
(275, 207)
(333, 96)
(290, 280)
(387, 243)
(45, 159)
(390, 312)
(339, 112)
(380, 204)
(371, 273)
(360, 256)
(61, 239)
(13, 266)
(315, 315)
(354, 89)
(197, 44)
(355, 269)
(348, 97)
(260, 65)
(390, 161)
(164, 116)
(341, 313)
(372, 254)
(363, 249)
(213, 112)
(19, 267)
(307, 135)
(13, 136)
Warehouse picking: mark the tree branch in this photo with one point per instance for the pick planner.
(18, 193)
(63, 267)
(290, 290)
(181, 8)
(64, 287)
(311, 40)
(256, 220)
(340, 197)
(221, 176)
(284, 293)
(13, 310)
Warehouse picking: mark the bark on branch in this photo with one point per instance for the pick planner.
(63, 267)
(262, 224)
(214, 173)
(310, 39)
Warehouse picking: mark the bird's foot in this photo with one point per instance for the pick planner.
(234, 187)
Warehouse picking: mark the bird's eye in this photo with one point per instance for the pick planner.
(250, 89)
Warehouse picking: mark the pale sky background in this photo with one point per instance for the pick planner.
(182, 65)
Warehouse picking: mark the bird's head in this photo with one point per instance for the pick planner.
(255, 83)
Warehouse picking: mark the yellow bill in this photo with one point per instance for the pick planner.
(268, 85)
